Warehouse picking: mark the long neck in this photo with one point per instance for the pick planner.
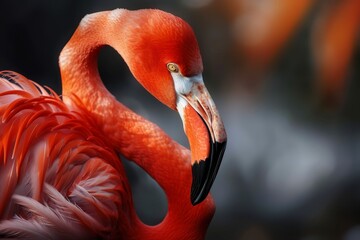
(134, 137)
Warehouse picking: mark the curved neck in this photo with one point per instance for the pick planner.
(84, 90)
(134, 137)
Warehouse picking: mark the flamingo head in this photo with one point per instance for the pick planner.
(163, 55)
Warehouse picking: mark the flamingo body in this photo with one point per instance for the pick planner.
(54, 168)
(59, 161)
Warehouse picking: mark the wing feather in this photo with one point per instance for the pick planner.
(61, 181)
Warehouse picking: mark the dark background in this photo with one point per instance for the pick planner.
(291, 170)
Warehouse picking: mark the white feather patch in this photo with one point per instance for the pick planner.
(115, 14)
(183, 84)
(88, 20)
(180, 106)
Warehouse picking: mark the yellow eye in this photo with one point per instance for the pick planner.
(172, 67)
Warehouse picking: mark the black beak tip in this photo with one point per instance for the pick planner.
(204, 173)
(199, 174)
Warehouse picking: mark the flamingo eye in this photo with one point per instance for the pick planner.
(172, 67)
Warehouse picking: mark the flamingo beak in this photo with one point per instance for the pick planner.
(205, 131)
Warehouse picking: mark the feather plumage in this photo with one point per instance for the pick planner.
(59, 167)
(48, 152)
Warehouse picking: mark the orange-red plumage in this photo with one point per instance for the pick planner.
(44, 143)
(201, 149)
(59, 162)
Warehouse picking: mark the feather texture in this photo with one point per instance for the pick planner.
(60, 174)
(59, 178)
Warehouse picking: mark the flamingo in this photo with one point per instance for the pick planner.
(60, 172)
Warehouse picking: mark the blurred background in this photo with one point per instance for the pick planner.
(285, 76)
